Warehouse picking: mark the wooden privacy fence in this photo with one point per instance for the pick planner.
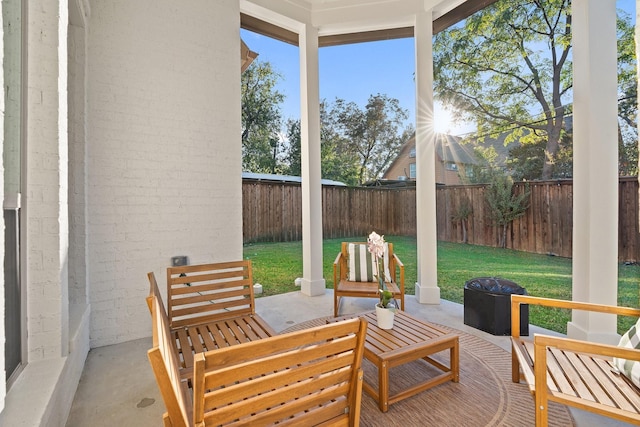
(272, 212)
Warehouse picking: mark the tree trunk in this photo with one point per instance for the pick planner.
(464, 230)
(554, 127)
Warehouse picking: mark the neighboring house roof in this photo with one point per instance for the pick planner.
(449, 149)
(502, 150)
(285, 178)
(390, 183)
(246, 56)
(453, 149)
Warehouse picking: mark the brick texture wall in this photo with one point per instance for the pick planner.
(164, 154)
(46, 194)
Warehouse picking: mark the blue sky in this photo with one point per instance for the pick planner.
(354, 72)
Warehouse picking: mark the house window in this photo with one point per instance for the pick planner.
(412, 153)
(452, 166)
(412, 170)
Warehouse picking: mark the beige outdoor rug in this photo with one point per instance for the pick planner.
(485, 395)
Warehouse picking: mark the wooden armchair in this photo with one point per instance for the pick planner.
(573, 372)
(343, 287)
(209, 306)
(311, 377)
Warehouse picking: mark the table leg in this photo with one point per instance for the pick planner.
(383, 386)
(454, 359)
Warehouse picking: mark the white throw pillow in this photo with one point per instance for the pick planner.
(361, 266)
(630, 368)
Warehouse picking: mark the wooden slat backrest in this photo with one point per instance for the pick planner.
(208, 292)
(307, 377)
(165, 364)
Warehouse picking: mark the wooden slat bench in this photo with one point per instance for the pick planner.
(309, 377)
(574, 373)
(211, 306)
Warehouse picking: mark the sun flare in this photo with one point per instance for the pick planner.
(442, 120)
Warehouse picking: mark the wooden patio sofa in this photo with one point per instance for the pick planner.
(342, 287)
(309, 377)
(210, 306)
(573, 372)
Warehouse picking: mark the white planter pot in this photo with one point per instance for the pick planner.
(384, 317)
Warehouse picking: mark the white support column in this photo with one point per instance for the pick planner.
(312, 282)
(427, 290)
(595, 167)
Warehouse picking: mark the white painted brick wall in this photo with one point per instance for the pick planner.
(164, 154)
(78, 292)
(46, 197)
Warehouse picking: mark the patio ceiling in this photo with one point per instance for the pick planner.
(351, 21)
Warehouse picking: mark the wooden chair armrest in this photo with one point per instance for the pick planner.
(398, 262)
(578, 346)
(575, 305)
(401, 267)
(517, 300)
(336, 266)
(337, 261)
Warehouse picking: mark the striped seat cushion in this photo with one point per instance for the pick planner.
(361, 263)
(630, 368)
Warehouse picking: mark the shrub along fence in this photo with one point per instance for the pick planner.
(272, 212)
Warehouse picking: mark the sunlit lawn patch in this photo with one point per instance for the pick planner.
(277, 265)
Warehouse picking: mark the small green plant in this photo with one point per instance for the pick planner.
(504, 204)
(462, 215)
(385, 298)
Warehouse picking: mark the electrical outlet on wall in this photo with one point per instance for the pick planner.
(178, 261)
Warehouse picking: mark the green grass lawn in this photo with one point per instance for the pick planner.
(277, 265)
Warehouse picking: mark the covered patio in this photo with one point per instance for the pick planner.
(115, 389)
(122, 150)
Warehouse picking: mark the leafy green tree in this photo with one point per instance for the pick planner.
(628, 98)
(294, 159)
(485, 168)
(505, 205)
(462, 214)
(339, 158)
(339, 163)
(374, 133)
(262, 146)
(509, 61)
(508, 69)
(526, 159)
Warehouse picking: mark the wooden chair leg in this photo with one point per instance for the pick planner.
(166, 421)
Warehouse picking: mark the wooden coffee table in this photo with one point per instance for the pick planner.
(410, 339)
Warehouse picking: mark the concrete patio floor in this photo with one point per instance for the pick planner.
(117, 386)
